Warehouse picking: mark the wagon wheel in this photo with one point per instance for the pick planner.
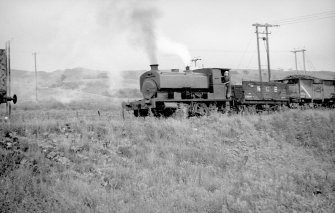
(200, 109)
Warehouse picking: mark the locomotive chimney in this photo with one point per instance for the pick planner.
(154, 67)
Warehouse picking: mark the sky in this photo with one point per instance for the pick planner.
(119, 35)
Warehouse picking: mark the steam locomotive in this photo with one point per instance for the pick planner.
(202, 90)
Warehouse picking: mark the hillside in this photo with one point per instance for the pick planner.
(77, 161)
(78, 84)
(85, 84)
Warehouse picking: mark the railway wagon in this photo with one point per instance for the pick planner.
(254, 96)
(309, 90)
(4, 98)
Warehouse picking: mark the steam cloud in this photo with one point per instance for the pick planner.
(170, 47)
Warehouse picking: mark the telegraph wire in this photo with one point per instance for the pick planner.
(310, 63)
(296, 22)
(245, 51)
(313, 15)
(305, 18)
(250, 60)
(264, 42)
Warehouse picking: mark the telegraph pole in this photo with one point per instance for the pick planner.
(195, 61)
(295, 57)
(267, 51)
(267, 46)
(9, 81)
(303, 57)
(259, 55)
(35, 74)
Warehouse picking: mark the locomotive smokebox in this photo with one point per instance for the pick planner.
(154, 67)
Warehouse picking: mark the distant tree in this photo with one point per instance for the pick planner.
(245, 72)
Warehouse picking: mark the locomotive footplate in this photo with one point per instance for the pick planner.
(166, 103)
(137, 105)
(265, 102)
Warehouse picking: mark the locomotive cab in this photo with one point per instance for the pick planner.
(219, 82)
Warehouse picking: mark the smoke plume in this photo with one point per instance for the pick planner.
(144, 29)
(138, 20)
(135, 18)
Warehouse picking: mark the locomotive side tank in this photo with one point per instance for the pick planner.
(156, 81)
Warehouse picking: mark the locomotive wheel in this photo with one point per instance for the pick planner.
(136, 112)
(141, 112)
(200, 109)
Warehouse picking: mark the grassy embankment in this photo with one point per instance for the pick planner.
(281, 162)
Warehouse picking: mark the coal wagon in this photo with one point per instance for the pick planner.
(259, 96)
(310, 91)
